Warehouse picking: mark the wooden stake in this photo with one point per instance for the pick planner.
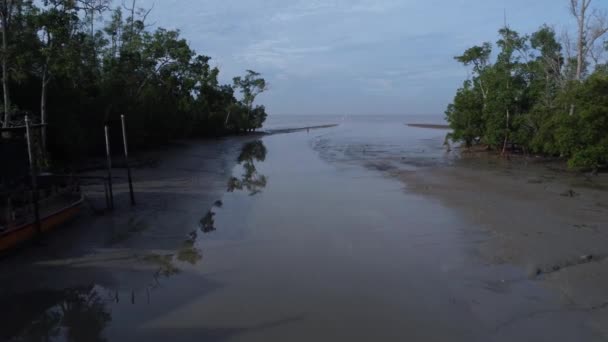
(105, 191)
(33, 180)
(109, 158)
(126, 148)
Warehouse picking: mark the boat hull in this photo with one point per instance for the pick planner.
(19, 235)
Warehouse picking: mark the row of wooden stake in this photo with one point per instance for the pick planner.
(110, 198)
(109, 161)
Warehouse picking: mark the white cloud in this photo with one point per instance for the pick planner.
(306, 8)
(318, 53)
(285, 56)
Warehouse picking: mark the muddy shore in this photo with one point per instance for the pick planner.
(551, 222)
(365, 231)
(124, 249)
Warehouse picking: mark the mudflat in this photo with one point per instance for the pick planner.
(551, 222)
(364, 231)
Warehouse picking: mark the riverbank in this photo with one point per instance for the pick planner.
(551, 222)
(175, 186)
(249, 239)
(149, 158)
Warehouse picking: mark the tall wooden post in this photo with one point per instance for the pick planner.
(106, 193)
(126, 148)
(109, 159)
(33, 176)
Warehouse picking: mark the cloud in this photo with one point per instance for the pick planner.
(284, 56)
(318, 53)
(303, 9)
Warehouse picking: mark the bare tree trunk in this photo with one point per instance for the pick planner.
(578, 9)
(132, 20)
(580, 46)
(591, 27)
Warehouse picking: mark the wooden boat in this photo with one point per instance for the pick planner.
(31, 204)
(56, 208)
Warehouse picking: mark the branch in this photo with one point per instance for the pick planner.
(162, 65)
(574, 7)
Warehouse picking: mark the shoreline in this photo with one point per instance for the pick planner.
(147, 158)
(147, 163)
(298, 129)
(430, 126)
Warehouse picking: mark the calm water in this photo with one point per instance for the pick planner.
(309, 241)
(291, 121)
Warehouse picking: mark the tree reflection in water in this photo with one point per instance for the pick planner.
(77, 314)
(80, 314)
(166, 263)
(207, 222)
(189, 252)
(250, 180)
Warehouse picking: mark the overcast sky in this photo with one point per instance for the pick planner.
(350, 56)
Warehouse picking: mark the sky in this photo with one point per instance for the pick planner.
(350, 56)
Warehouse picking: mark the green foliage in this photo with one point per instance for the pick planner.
(465, 115)
(524, 98)
(166, 90)
(582, 137)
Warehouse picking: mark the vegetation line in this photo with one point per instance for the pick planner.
(539, 93)
(78, 65)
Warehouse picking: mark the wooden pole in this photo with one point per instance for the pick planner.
(33, 179)
(105, 191)
(126, 148)
(109, 158)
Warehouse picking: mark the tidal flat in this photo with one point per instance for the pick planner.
(368, 230)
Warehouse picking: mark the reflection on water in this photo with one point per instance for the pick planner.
(133, 226)
(164, 262)
(82, 314)
(207, 222)
(250, 180)
(189, 252)
(278, 265)
(77, 314)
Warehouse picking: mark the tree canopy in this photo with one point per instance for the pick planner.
(79, 64)
(530, 95)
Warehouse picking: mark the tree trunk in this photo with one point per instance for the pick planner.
(580, 48)
(5, 88)
(579, 11)
(92, 25)
(504, 146)
(43, 114)
(580, 45)
(227, 117)
(132, 21)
